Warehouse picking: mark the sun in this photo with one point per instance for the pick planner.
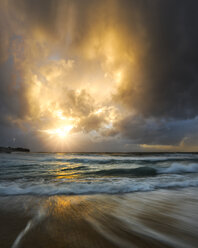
(61, 132)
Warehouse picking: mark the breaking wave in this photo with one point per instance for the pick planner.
(70, 174)
(113, 187)
(175, 168)
(178, 168)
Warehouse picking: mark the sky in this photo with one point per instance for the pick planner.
(99, 76)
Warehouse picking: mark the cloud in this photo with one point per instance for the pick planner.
(126, 70)
(35, 16)
(156, 132)
(167, 80)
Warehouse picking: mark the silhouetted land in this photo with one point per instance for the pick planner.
(13, 149)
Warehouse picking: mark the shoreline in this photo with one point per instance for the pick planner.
(164, 218)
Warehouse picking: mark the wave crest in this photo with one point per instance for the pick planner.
(113, 187)
(177, 168)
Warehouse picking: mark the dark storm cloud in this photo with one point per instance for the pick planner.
(154, 131)
(36, 14)
(12, 99)
(169, 64)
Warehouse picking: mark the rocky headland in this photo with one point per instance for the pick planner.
(13, 149)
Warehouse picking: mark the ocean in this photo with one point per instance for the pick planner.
(98, 200)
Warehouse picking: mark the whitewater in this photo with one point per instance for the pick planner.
(89, 173)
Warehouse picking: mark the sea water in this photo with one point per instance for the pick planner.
(88, 173)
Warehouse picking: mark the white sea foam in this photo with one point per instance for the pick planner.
(32, 223)
(177, 168)
(49, 174)
(113, 187)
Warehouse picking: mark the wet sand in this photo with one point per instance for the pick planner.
(165, 218)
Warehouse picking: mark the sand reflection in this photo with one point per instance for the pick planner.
(152, 219)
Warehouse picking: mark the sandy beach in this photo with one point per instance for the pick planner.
(156, 219)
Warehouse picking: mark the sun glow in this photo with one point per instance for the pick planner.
(61, 132)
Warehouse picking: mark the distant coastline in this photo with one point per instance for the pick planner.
(13, 149)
